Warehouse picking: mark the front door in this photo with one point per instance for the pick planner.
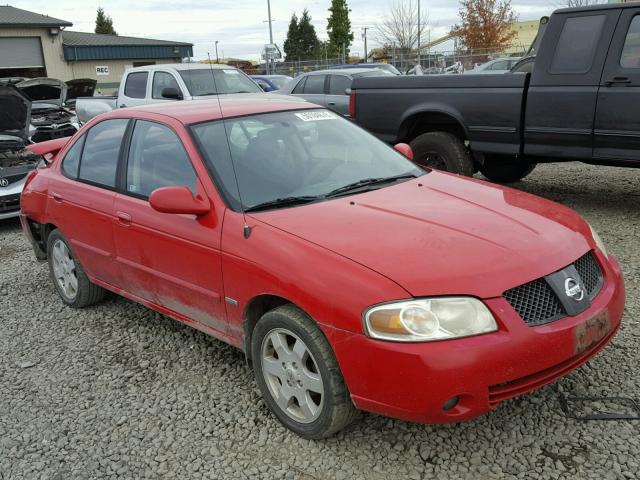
(617, 123)
(169, 260)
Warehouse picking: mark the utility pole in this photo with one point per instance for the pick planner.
(419, 31)
(366, 58)
(217, 59)
(268, 59)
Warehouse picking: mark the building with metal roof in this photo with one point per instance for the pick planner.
(36, 45)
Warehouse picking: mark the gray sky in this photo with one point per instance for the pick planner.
(238, 24)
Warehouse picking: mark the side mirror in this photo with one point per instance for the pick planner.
(178, 199)
(348, 91)
(404, 149)
(171, 93)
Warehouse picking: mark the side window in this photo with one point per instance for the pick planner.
(300, 86)
(577, 44)
(157, 159)
(314, 84)
(136, 85)
(501, 65)
(71, 160)
(162, 80)
(338, 84)
(101, 152)
(630, 57)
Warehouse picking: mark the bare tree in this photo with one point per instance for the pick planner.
(400, 26)
(580, 3)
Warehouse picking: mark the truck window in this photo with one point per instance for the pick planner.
(162, 80)
(136, 85)
(630, 57)
(577, 44)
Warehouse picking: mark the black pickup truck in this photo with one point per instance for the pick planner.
(581, 101)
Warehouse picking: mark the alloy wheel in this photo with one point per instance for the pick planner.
(292, 375)
(64, 269)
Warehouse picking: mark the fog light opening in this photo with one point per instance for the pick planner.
(451, 403)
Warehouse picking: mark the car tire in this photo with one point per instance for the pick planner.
(301, 383)
(443, 151)
(505, 169)
(72, 284)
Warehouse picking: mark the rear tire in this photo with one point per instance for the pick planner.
(298, 374)
(506, 169)
(72, 284)
(443, 151)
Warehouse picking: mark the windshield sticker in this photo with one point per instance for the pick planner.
(313, 116)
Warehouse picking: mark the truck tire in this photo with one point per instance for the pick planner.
(506, 169)
(443, 151)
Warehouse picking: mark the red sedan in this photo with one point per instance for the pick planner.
(350, 277)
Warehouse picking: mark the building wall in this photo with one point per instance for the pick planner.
(51, 49)
(525, 34)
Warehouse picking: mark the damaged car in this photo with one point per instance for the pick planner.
(50, 119)
(15, 161)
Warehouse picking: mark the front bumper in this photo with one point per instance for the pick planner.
(10, 199)
(414, 381)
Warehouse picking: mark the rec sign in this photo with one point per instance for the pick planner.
(102, 70)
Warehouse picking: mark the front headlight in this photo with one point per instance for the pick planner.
(599, 242)
(428, 319)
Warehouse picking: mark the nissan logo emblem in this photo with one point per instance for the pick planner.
(4, 182)
(573, 289)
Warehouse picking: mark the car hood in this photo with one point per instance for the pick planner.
(44, 90)
(80, 87)
(15, 111)
(443, 235)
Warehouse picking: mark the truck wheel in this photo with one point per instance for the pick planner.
(298, 374)
(443, 151)
(72, 284)
(506, 169)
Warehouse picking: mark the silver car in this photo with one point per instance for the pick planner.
(498, 65)
(328, 88)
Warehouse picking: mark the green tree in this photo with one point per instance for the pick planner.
(104, 23)
(308, 43)
(292, 42)
(339, 28)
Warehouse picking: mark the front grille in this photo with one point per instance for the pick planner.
(589, 270)
(537, 303)
(10, 203)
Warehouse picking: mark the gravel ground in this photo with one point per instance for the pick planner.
(120, 391)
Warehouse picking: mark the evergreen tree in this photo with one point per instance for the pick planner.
(339, 28)
(291, 44)
(308, 42)
(104, 23)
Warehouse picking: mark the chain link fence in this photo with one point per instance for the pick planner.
(435, 62)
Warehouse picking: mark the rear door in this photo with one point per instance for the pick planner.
(134, 91)
(337, 99)
(312, 88)
(561, 100)
(169, 260)
(617, 123)
(82, 197)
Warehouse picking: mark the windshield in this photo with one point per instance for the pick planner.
(303, 153)
(200, 81)
(280, 81)
(389, 68)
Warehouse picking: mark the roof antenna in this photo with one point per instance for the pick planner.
(246, 230)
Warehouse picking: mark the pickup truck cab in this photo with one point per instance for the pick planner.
(578, 103)
(168, 83)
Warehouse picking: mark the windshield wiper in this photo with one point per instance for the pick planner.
(367, 182)
(282, 202)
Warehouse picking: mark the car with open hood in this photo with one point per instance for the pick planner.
(15, 162)
(349, 276)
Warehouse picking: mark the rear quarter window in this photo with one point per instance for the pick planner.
(576, 47)
(71, 161)
(101, 152)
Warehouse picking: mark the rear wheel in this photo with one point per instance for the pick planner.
(298, 374)
(443, 151)
(72, 284)
(506, 169)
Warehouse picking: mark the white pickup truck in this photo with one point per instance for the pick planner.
(168, 83)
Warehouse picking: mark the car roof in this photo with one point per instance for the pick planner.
(269, 76)
(234, 105)
(333, 71)
(603, 6)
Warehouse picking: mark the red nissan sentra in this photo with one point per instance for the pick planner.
(351, 278)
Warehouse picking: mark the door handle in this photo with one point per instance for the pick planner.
(332, 103)
(614, 80)
(123, 106)
(124, 218)
(57, 197)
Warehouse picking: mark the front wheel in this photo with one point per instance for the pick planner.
(443, 151)
(298, 374)
(506, 169)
